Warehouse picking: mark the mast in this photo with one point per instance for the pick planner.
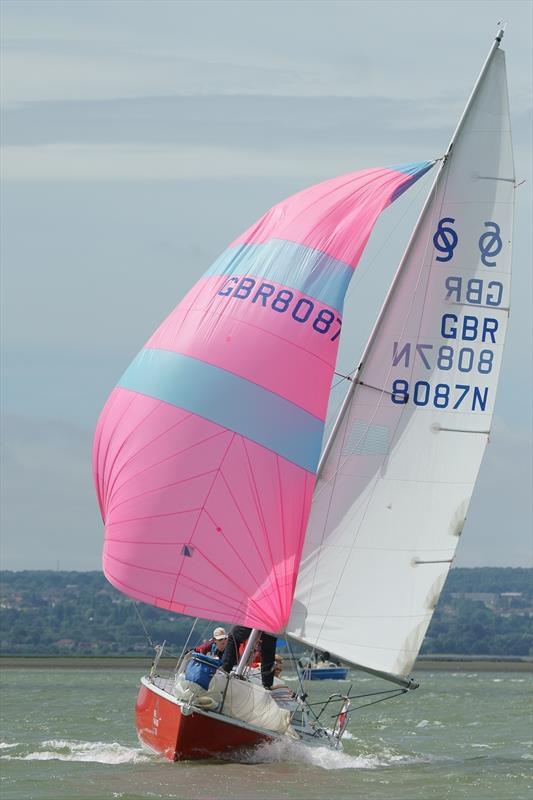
(250, 644)
(356, 377)
(400, 464)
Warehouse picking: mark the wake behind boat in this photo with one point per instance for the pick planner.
(218, 499)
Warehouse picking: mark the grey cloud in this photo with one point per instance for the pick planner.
(237, 120)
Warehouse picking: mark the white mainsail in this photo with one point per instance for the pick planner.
(399, 470)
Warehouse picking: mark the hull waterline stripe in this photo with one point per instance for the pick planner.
(229, 401)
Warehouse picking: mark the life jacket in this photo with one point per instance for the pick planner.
(256, 659)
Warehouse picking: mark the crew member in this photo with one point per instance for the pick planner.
(216, 646)
(267, 645)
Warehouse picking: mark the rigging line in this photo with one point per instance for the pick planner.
(349, 696)
(135, 604)
(293, 659)
(184, 650)
(373, 703)
(302, 694)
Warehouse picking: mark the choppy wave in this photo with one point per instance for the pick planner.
(324, 757)
(62, 750)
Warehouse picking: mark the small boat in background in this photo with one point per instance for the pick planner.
(319, 667)
(328, 672)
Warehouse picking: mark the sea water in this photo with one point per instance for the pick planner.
(69, 733)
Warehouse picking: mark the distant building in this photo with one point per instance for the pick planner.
(488, 598)
(65, 644)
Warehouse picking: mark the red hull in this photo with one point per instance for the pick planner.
(164, 728)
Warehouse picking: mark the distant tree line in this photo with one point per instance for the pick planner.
(482, 611)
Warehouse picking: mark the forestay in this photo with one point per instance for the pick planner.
(205, 454)
(392, 496)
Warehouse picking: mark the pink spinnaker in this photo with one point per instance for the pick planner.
(205, 453)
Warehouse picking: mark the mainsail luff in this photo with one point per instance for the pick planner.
(319, 617)
(356, 376)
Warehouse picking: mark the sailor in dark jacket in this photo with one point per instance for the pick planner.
(267, 644)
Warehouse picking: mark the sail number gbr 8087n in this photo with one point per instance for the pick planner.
(469, 339)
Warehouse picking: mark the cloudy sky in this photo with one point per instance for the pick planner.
(139, 138)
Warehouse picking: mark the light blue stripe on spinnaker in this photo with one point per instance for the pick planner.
(415, 170)
(229, 401)
(293, 265)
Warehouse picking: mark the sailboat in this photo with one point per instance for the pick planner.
(218, 499)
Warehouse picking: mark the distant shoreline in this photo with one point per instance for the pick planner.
(459, 664)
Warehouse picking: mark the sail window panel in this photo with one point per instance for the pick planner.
(365, 438)
(419, 450)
